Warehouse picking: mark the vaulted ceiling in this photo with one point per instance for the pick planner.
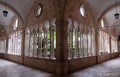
(106, 9)
(99, 6)
(22, 8)
(15, 8)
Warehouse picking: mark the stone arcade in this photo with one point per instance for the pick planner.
(59, 37)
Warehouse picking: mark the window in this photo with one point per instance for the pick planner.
(102, 23)
(2, 46)
(14, 43)
(83, 10)
(15, 25)
(104, 45)
(81, 40)
(40, 40)
(114, 45)
(38, 10)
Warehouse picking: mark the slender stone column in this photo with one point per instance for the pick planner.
(23, 45)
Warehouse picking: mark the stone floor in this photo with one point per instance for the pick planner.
(10, 69)
(108, 69)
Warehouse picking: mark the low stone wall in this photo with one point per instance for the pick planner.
(78, 64)
(114, 55)
(14, 58)
(103, 58)
(42, 64)
(2, 55)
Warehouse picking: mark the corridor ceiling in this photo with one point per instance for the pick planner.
(22, 8)
(99, 6)
(15, 8)
(19, 7)
(107, 8)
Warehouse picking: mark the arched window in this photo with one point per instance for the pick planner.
(114, 45)
(2, 46)
(102, 23)
(14, 43)
(38, 10)
(15, 24)
(41, 40)
(81, 40)
(104, 45)
(83, 10)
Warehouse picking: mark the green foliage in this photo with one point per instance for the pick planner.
(48, 41)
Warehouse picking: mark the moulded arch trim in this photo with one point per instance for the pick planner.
(14, 11)
(106, 11)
